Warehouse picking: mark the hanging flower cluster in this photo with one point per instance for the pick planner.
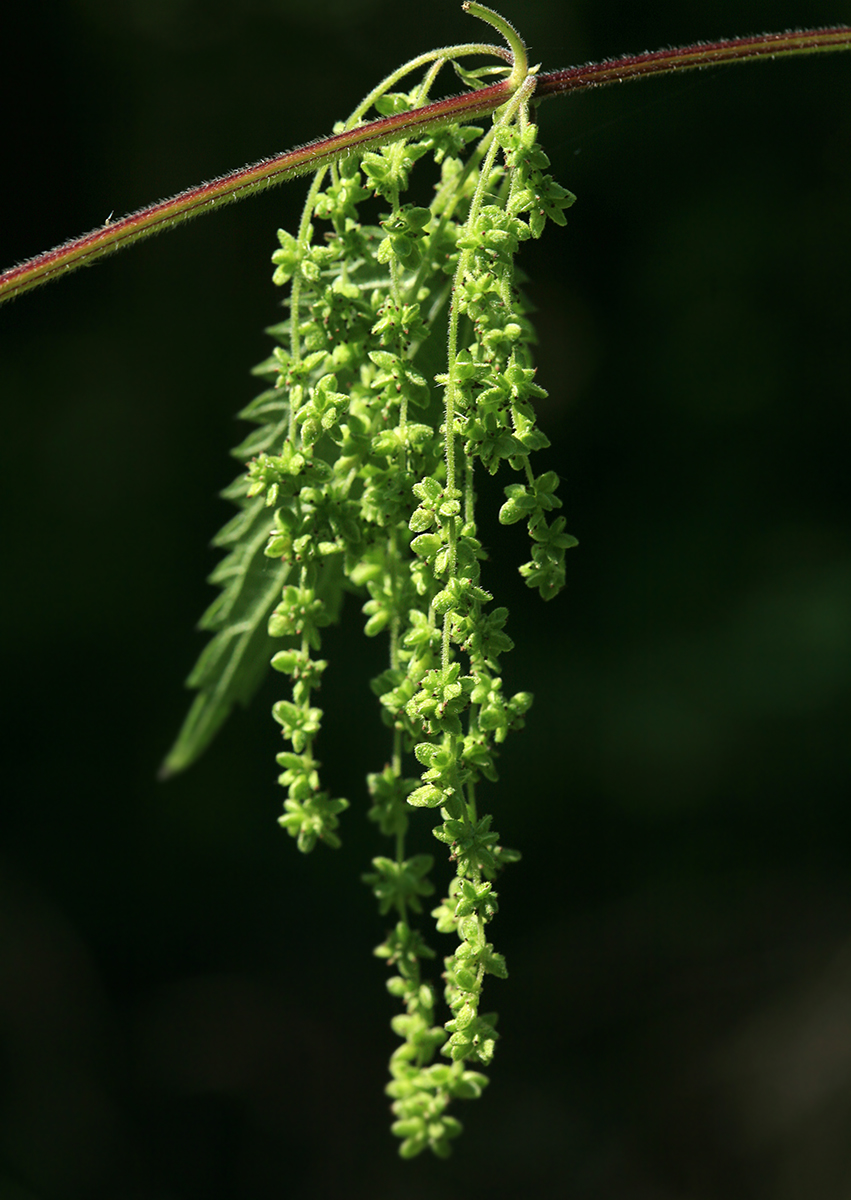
(362, 478)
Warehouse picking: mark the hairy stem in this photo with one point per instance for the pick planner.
(702, 54)
(226, 189)
(521, 65)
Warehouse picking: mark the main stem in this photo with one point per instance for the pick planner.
(226, 189)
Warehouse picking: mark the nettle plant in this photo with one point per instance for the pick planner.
(403, 368)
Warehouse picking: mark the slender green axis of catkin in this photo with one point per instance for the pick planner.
(506, 116)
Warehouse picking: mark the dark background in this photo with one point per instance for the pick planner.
(189, 1009)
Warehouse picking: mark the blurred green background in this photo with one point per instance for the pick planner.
(189, 1009)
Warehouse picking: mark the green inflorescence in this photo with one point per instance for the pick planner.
(361, 478)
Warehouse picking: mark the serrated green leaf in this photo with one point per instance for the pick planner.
(233, 664)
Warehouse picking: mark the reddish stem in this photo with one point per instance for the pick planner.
(227, 188)
(702, 54)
